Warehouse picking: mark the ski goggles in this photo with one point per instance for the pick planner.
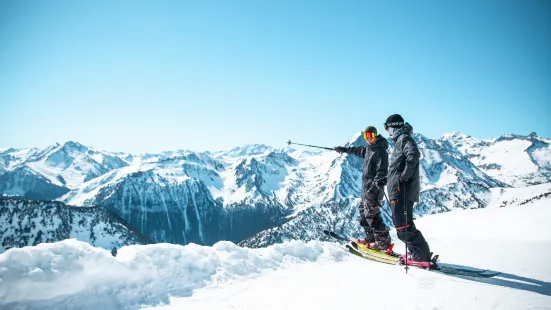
(369, 135)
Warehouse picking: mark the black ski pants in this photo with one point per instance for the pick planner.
(417, 244)
(372, 223)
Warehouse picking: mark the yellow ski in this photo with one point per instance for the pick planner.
(364, 249)
(369, 256)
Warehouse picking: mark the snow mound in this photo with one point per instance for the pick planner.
(74, 275)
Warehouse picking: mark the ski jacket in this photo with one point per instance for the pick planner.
(403, 172)
(375, 167)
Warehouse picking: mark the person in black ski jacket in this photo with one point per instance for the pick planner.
(403, 186)
(375, 157)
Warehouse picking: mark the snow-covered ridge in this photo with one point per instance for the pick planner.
(246, 150)
(503, 197)
(515, 160)
(138, 275)
(64, 166)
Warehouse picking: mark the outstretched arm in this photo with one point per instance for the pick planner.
(354, 150)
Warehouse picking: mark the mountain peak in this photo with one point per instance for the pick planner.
(247, 150)
(508, 137)
(357, 140)
(75, 145)
(454, 135)
(7, 150)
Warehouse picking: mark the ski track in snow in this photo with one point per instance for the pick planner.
(294, 275)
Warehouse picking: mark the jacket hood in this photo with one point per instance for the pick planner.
(407, 129)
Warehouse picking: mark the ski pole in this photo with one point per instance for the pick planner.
(385, 211)
(319, 147)
(381, 206)
(406, 225)
(387, 201)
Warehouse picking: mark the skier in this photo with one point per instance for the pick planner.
(403, 188)
(374, 175)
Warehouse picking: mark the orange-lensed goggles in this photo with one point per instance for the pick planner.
(369, 135)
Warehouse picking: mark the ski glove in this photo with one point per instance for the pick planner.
(340, 149)
(371, 191)
(380, 182)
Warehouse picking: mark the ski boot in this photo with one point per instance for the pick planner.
(413, 261)
(388, 250)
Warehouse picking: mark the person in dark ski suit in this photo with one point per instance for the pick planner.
(375, 157)
(403, 186)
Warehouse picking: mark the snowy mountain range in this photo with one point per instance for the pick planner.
(244, 194)
(512, 159)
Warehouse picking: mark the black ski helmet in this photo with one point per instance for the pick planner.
(371, 129)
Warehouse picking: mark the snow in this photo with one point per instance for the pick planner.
(228, 192)
(89, 190)
(23, 152)
(52, 173)
(513, 159)
(98, 157)
(463, 142)
(274, 178)
(313, 181)
(543, 157)
(524, 284)
(490, 230)
(447, 177)
(502, 197)
(172, 170)
(16, 157)
(296, 275)
(298, 182)
(302, 177)
(245, 150)
(66, 163)
(316, 177)
(59, 273)
(504, 154)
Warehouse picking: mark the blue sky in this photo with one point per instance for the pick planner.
(147, 76)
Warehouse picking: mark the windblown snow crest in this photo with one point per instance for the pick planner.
(91, 278)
